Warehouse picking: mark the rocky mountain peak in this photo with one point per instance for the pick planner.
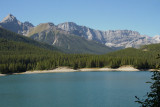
(9, 18)
(46, 26)
(68, 26)
(10, 22)
(26, 23)
(157, 38)
(70, 23)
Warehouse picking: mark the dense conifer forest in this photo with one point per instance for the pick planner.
(19, 54)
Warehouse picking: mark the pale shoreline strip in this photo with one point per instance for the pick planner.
(66, 69)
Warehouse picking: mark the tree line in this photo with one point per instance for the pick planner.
(20, 57)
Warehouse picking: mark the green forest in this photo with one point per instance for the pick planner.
(20, 54)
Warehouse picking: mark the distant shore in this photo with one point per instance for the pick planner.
(67, 69)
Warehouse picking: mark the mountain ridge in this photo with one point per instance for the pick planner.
(111, 38)
(70, 43)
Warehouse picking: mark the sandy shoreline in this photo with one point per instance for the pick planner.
(2, 74)
(66, 69)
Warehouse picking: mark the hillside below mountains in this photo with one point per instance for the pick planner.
(11, 36)
(70, 36)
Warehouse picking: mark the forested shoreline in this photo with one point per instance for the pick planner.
(21, 57)
(20, 54)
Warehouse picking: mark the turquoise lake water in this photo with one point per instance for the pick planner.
(75, 89)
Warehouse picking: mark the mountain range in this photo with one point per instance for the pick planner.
(111, 38)
(73, 38)
(50, 34)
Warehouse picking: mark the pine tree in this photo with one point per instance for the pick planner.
(153, 97)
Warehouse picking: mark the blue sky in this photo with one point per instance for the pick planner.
(139, 15)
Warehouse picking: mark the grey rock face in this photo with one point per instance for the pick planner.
(111, 38)
(157, 38)
(82, 31)
(11, 23)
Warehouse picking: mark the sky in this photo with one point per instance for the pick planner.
(137, 15)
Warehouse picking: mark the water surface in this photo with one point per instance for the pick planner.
(75, 89)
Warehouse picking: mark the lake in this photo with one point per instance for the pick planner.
(74, 89)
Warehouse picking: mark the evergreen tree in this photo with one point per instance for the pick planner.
(153, 97)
